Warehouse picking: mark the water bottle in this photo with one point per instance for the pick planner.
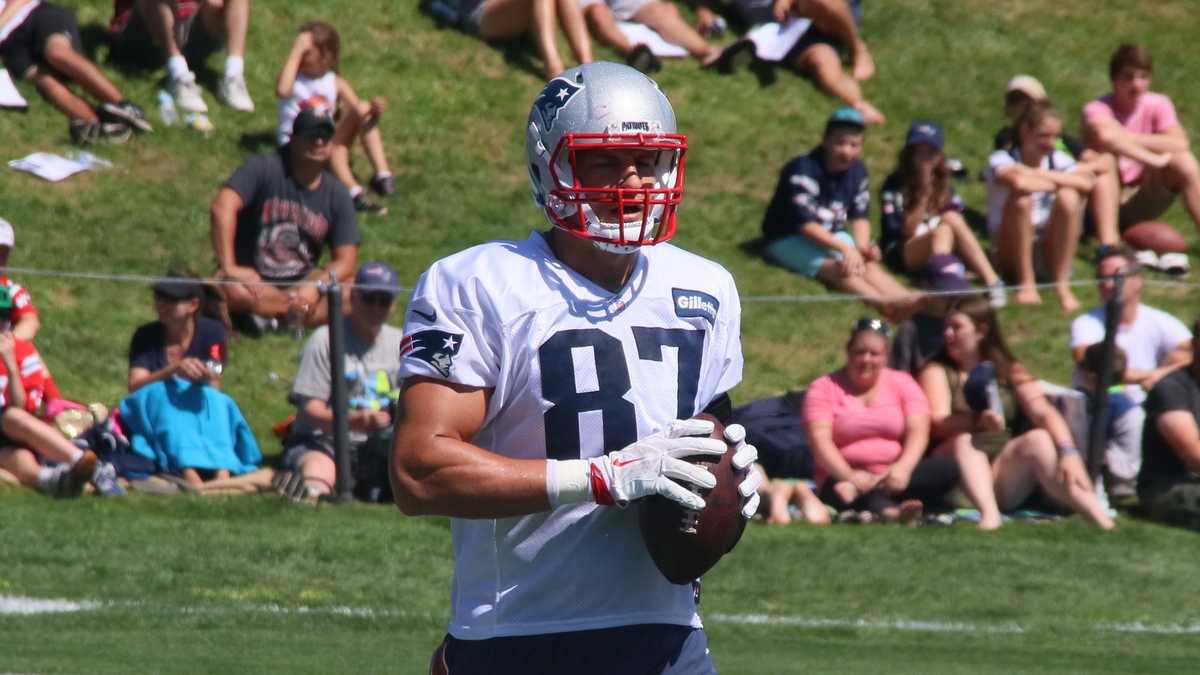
(166, 108)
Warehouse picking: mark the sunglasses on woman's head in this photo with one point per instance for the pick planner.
(877, 325)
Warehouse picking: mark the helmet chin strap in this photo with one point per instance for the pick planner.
(632, 231)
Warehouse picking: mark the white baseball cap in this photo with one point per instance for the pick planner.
(6, 233)
(1028, 85)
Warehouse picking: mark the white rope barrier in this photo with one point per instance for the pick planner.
(149, 280)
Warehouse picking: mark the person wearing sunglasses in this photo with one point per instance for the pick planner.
(273, 219)
(188, 339)
(869, 426)
(372, 379)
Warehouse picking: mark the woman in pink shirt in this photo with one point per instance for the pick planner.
(869, 426)
(1140, 127)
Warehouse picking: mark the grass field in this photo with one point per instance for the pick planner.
(251, 585)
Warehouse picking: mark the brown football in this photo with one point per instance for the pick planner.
(685, 544)
(1151, 235)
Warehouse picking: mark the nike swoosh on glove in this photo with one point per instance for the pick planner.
(744, 455)
(653, 466)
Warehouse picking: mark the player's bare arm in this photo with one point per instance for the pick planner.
(436, 470)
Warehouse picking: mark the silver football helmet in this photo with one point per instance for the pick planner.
(605, 106)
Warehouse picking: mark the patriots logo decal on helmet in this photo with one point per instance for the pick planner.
(435, 347)
(552, 99)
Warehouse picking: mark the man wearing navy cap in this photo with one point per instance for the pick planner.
(372, 364)
(816, 223)
(271, 221)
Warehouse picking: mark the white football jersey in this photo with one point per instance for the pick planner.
(575, 370)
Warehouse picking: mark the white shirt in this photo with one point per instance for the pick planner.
(574, 370)
(1043, 202)
(303, 89)
(1147, 342)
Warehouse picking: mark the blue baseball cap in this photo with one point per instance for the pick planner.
(845, 116)
(377, 276)
(927, 132)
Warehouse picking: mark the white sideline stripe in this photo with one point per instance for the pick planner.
(17, 605)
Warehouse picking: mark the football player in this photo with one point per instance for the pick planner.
(550, 382)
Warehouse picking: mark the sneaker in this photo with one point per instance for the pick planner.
(384, 186)
(641, 58)
(127, 113)
(84, 132)
(1174, 264)
(997, 295)
(363, 204)
(734, 57)
(186, 93)
(235, 95)
(105, 480)
(71, 482)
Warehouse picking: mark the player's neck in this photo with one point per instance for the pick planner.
(608, 270)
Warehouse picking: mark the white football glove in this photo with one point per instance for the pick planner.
(744, 455)
(650, 466)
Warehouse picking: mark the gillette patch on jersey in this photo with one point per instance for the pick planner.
(435, 347)
(690, 304)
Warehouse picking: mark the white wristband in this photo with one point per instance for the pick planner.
(568, 481)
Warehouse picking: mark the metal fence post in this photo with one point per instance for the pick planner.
(344, 491)
(1098, 414)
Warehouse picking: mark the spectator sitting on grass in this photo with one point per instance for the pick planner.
(1035, 207)
(868, 426)
(1025, 91)
(660, 15)
(27, 442)
(311, 70)
(147, 30)
(182, 342)
(816, 223)
(272, 219)
(818, 53)
(40, 43)
(1169, 481)
(1154, 343)
(505, 20)
(1001, 464)
(922, 214)
(1140, 127)
(24, 316)
(372, 367)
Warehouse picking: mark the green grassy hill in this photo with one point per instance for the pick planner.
(192, 584)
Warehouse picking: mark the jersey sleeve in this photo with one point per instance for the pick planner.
(22, 304)
(451, 331)
(729, 351)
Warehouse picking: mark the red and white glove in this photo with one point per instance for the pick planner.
(744, 455)
(650, 466)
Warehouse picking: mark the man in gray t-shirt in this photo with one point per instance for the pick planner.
(272, 220)
(372, 363)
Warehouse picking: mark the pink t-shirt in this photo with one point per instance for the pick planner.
(868, 437)
(1153, 114)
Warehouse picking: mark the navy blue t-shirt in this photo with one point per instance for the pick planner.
(806, 193)
(891, 219)
(148, 350)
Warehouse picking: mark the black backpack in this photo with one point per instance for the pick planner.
(773, 426)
